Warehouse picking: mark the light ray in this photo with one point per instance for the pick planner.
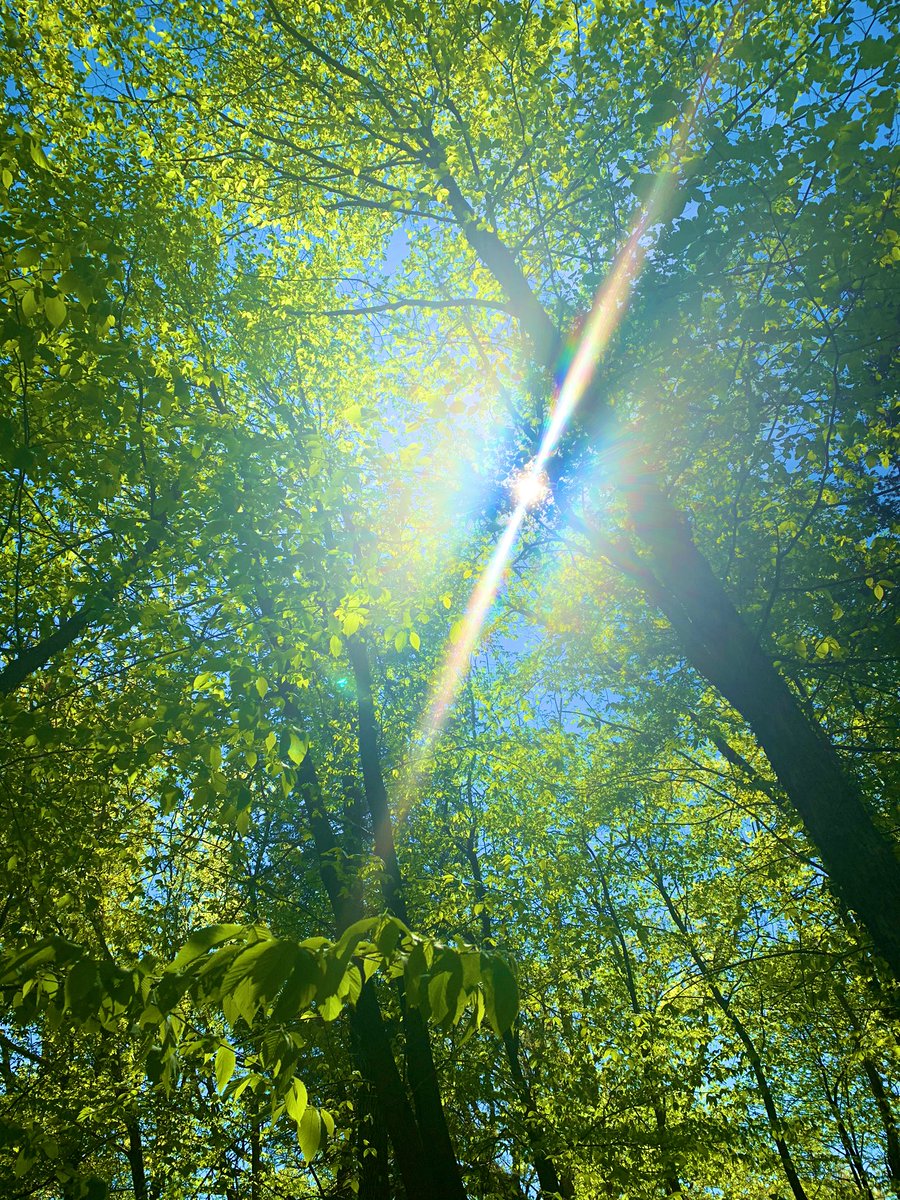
(606, 313)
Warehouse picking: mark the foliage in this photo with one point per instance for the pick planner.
(288, 294)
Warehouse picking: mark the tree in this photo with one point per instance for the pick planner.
(285, 294)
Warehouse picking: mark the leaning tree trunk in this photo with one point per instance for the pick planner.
(95, 610)
(860, 860)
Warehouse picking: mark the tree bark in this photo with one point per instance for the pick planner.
(861, 861)
(421, 1071)
(671, 1182)
(255, 1154)
(551, 1180)
(892, 1138)
(369, 1037)
(371, 1149)
(93, 610)
(851, 1151)
(370, 1043)
(136, 1156)
(880, 1096)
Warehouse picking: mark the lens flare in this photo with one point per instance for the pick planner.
(530, 486)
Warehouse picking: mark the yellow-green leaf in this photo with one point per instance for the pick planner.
(295, 1102)
(351, 623)
(297, 749)
(38, 157)
(226, 1061)
(309, 1132)
(55, 308)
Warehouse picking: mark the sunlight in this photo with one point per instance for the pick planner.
(467, 633)
(530, 486)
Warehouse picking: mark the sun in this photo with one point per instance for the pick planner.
(530, 486)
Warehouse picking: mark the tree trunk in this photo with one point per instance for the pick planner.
(369, 1037)
(551, 1180)
(255, 1153)
(371, 1149)
(136, 1156)
(93, 610)
(892, 1138)
(420, 1067)
(370, 1043)
(860, 860)
(880, 1096)
(851, 1151)
(671, 1182)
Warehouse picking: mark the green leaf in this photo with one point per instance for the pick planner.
(351, 623)
(55, 310)
(83, 990)
(255, 977)
(297, 749)
(309, 1133)
(295, 1102)
(501, 993)
(38, 157)
(330, 1007)
(226, 1061)
(299, 988)
(201, 941)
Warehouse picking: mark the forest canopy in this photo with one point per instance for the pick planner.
(449, 499)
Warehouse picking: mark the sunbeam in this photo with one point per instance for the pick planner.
(530, 486)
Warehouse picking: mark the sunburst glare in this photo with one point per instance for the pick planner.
(530, 486)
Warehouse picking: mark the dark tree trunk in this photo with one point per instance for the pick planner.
(851, 1150)
(860, 860)
(892, 1138)
(93, 611)
(371, 1149)
(420, 1068)
(136, 1157)
(880, 1096)
(551, 1180)
(671, 1182)
(370, 1041)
